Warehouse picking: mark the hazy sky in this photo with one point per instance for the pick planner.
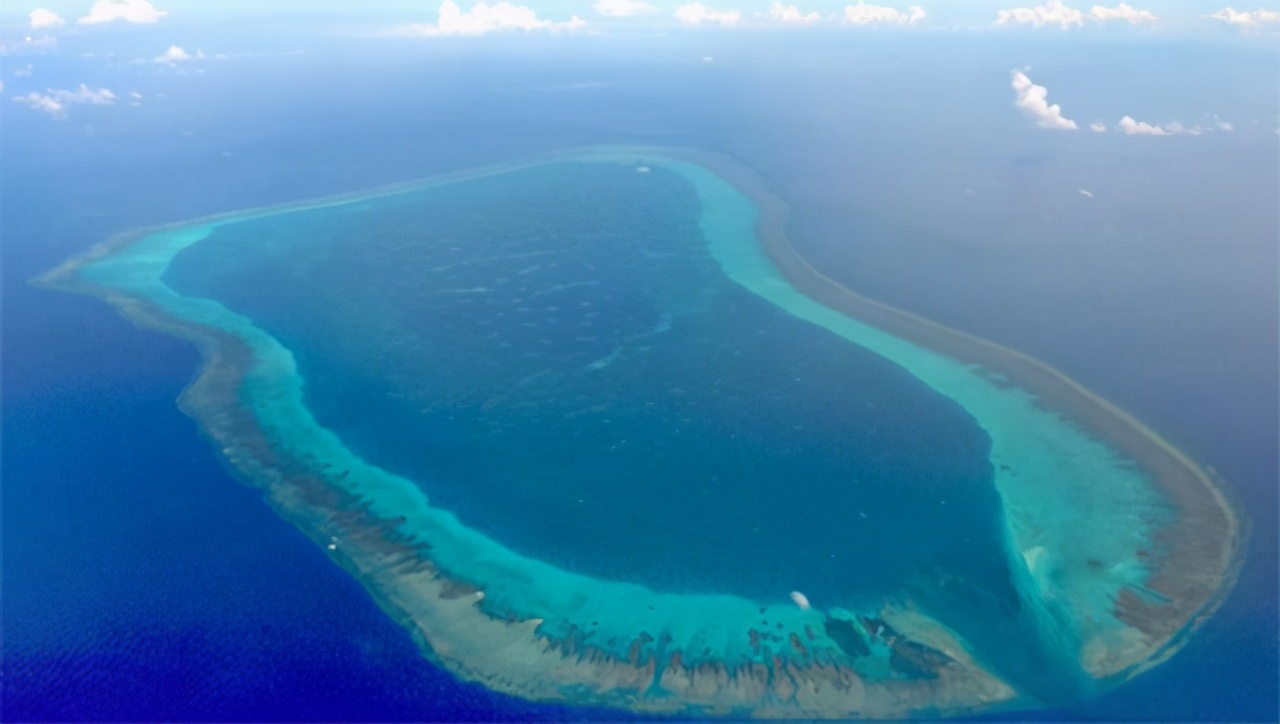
(62, 58)
(606, 15)
(113, 39)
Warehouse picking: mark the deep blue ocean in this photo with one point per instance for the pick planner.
(142, 581)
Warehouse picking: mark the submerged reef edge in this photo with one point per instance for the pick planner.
(1210, 537)
(802, 676)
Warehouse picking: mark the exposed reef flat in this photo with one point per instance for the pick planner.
(1115, 591)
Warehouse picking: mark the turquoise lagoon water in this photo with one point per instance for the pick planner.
(556, 358)
(624, 419)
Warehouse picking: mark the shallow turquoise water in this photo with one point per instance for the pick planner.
(554, 356)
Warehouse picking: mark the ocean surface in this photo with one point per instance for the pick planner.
(142, 581)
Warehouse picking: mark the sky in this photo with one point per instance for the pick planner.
(186, 36)
(971, 13)
(1193, 16)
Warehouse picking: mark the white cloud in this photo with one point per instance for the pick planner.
(623, 8)
(41, 103)
(1098, 127)
(1131, 127)
(1249, 19)
(1121, 12)
(696, 13)
(30, 45)
(1086, 193)
(790, 14)
(483, 18)
(1052, 13)
(41, 18)
(1032, 101)
(23, 72)
(173, 55)
(55, 102)
(1055, 12)
(864, 14)
(130, 11)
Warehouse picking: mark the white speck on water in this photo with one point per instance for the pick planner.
(800, 600)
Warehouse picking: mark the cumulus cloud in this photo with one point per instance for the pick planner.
(1248, 19)
(696, 13)
(1032, 100)
(55, 102)
(1122, 12)
(1129, 126)
(1052, 13)
(1055, 12)
(790, 14)
(130, 11)
(1132, 127)
(174, 54)
(41, 18)
(483, 18)
(864, 14)
(623, 8)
